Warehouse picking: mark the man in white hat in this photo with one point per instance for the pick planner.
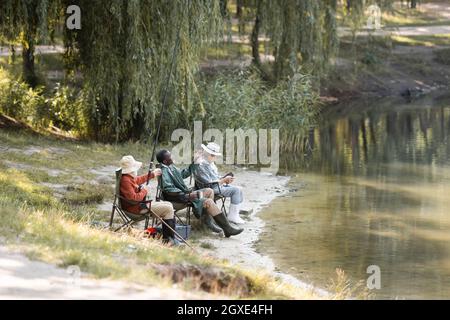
(130, 189)
(207, 175)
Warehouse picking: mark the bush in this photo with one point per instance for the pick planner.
(19, 101)
(63, 109)
(242, 100)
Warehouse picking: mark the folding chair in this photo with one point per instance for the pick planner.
(177, 206)
(128, 218)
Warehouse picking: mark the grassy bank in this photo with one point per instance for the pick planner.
(49, 200)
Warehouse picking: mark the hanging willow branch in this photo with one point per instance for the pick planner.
(27, 21)
(124, 49)
(300, 33)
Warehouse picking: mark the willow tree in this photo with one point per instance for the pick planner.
(124, 50)
(301, 33)
(27, 21)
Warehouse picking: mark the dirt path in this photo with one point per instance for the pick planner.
(21, 278)
(402, 31)
(5, 51)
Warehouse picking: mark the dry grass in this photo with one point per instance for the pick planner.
(342, 288)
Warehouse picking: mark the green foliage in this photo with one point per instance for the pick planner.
(28, 21)
(62, 108)
(243, 101)
(301, 32)
(18, 100)
(66, 109)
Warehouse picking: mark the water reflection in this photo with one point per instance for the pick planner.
(372, 190)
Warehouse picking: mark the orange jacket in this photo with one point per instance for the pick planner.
(129, 189)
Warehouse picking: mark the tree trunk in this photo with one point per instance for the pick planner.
(28, 66)
(223, 8)
(286, 47)
(255, 46)
(28, 46)
(413, 4)
(238, 9)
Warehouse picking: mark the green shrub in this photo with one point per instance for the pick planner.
(18, 100)
(64, 109)
(242, 100)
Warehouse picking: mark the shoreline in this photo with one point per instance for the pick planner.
(260, 189)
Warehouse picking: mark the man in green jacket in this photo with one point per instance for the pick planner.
(175, 190)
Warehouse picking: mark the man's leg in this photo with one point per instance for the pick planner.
(164, 210)
(208, 193)
(206, 219)
(211, 207)
(236, 197)
(233, 192)
(213, 210)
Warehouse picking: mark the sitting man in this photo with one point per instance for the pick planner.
(130, 189)
(174, 189)
(207, 175)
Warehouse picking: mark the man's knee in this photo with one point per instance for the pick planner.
(208, 203)
(164, 209)
(208, 193)
(211, 207)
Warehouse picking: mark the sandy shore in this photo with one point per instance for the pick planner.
(259, 190)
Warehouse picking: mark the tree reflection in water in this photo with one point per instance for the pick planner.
(372, 189)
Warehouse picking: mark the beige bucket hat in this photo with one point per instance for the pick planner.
(128, 164)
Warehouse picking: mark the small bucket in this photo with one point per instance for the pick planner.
(183, 231)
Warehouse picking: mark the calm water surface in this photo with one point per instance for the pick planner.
(374, 189)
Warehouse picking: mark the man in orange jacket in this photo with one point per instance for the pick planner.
(130, 189)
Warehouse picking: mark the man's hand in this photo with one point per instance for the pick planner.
(227, 180)
(157, 172)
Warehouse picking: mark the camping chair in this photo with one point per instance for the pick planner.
(128, 218)
(177, 206)
(218, 197)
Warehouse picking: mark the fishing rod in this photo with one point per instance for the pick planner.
(164, 101)
(163, 108)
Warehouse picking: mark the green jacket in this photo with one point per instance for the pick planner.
(172, 182)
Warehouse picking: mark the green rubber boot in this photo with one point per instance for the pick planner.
(228, 230)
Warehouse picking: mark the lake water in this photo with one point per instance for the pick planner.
(374, 189)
